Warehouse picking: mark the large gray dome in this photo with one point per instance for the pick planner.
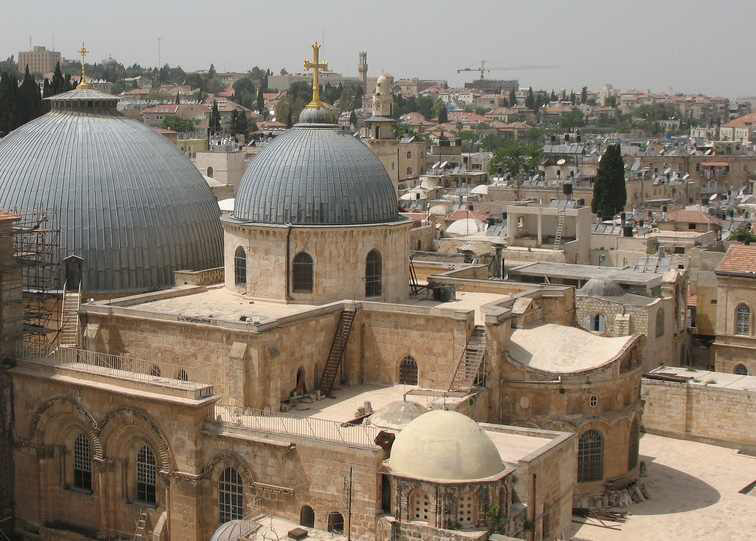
(126, 200)
(316, 175)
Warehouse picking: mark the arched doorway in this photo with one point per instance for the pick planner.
(307, 517)
(408, 371)
(335, 522)
(301, 387)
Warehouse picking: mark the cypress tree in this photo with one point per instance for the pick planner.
(8, 102)
(58, 82)
(29, 103)
(530, 99)
(512, 98)
(609, 191)
(261, 103)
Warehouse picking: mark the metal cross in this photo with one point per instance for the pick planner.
(315, 66)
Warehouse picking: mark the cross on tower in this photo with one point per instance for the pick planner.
(83, 52)
(315, 66)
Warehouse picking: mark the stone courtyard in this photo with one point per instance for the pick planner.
(694, 496)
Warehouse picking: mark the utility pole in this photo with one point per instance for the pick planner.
(160, 65)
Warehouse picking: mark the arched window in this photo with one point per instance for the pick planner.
(335, 522)
(373, 272)
(307, 517)
(182, 375)
(230, 496)
(302, 273)
(420, 506)
(741, 370)
(408, 371)
(210, 172)
(595, 323)
(82, 462)
(660, 322)
(146, 476)
(632, 454)
(386, 494)
(591, 456)
(743, 320)
(240, 267)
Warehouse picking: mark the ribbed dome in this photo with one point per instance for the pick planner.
(599, 287)
(445, 445)
(126, 200)
(316, 176)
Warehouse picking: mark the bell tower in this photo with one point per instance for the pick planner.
(362, 69)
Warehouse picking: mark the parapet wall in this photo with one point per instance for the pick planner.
(698, 411)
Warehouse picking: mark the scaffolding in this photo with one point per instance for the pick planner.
(37, 251)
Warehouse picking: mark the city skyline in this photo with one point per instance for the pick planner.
(593, 43)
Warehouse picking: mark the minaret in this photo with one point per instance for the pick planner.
(362, 69)
(383, 98)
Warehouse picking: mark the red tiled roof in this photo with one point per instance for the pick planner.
(742, 122)
(169, 108)
(692, 217)
(740, 259)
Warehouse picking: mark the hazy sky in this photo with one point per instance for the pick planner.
(683, 45)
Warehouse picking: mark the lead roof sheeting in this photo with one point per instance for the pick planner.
(316, 176)
(126, 200)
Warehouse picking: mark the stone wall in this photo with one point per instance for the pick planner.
(700, 411)
(730, 348)
(199, 278)
(421, 238)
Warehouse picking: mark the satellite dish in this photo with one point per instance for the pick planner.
(561, 161)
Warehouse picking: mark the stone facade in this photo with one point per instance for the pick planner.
(339, 260)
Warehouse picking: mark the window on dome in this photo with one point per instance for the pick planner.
(373, 274)
(303, 273)
(240, 267)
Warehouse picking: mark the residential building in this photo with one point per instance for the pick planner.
(39, 60)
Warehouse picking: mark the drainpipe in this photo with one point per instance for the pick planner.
(288, 259)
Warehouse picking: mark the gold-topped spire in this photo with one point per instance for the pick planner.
(315, 66)
(83, 84)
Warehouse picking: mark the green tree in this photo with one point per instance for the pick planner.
(245, 92)
(214, 122)
(260, 105)
(180, 125)
(8, 101)
(353, 119)
(440, 112)
(512, 98)
(282, 110)
(29, 104)
(516, 158)
(609, 191)
(58, 82)
(584, 95)
(571, 120)
(211, 73)
(530, 101)
(553, 96)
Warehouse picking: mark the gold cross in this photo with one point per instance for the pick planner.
(82, 80)
(315, 66)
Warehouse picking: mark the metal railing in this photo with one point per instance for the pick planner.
(121, 366)
(311, 428)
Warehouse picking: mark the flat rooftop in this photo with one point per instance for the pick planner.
(694, 490)
(562, 349)
(464, 301)
(570, 271)
(705, 378)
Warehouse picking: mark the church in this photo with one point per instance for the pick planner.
(305, 388)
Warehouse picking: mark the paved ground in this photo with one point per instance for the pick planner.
(694, 496)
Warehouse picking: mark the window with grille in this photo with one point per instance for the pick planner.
(182, 375)
(82, 463)
(420, 507)
(373, 271)
(632, 459)
(465, 515)
(302, 271)
(335, 523)
(155, 370)
(591, 456)
(408, 371)
(230, 496)
(743, 320)
(240, 267)
(741, 370)
(146, 476)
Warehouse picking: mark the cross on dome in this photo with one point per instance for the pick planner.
(315, 66)
(83, 52)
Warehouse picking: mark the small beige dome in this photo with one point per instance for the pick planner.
(600, 287)
(397, 415)
(445, 446)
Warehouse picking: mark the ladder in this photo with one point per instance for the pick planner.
(468, 369)
(559, 229)
(336, 354)
(69, 325)
(414, 285)
(140, 533)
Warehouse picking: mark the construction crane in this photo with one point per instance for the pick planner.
(483, 69)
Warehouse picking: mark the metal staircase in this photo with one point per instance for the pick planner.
(140, 533)
(336, 355)
(559, 229)
(69, 320)
(469, 367)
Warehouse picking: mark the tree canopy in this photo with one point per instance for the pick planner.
(609, 191)
(516, 158)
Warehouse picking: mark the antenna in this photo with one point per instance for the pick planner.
(159, 65)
